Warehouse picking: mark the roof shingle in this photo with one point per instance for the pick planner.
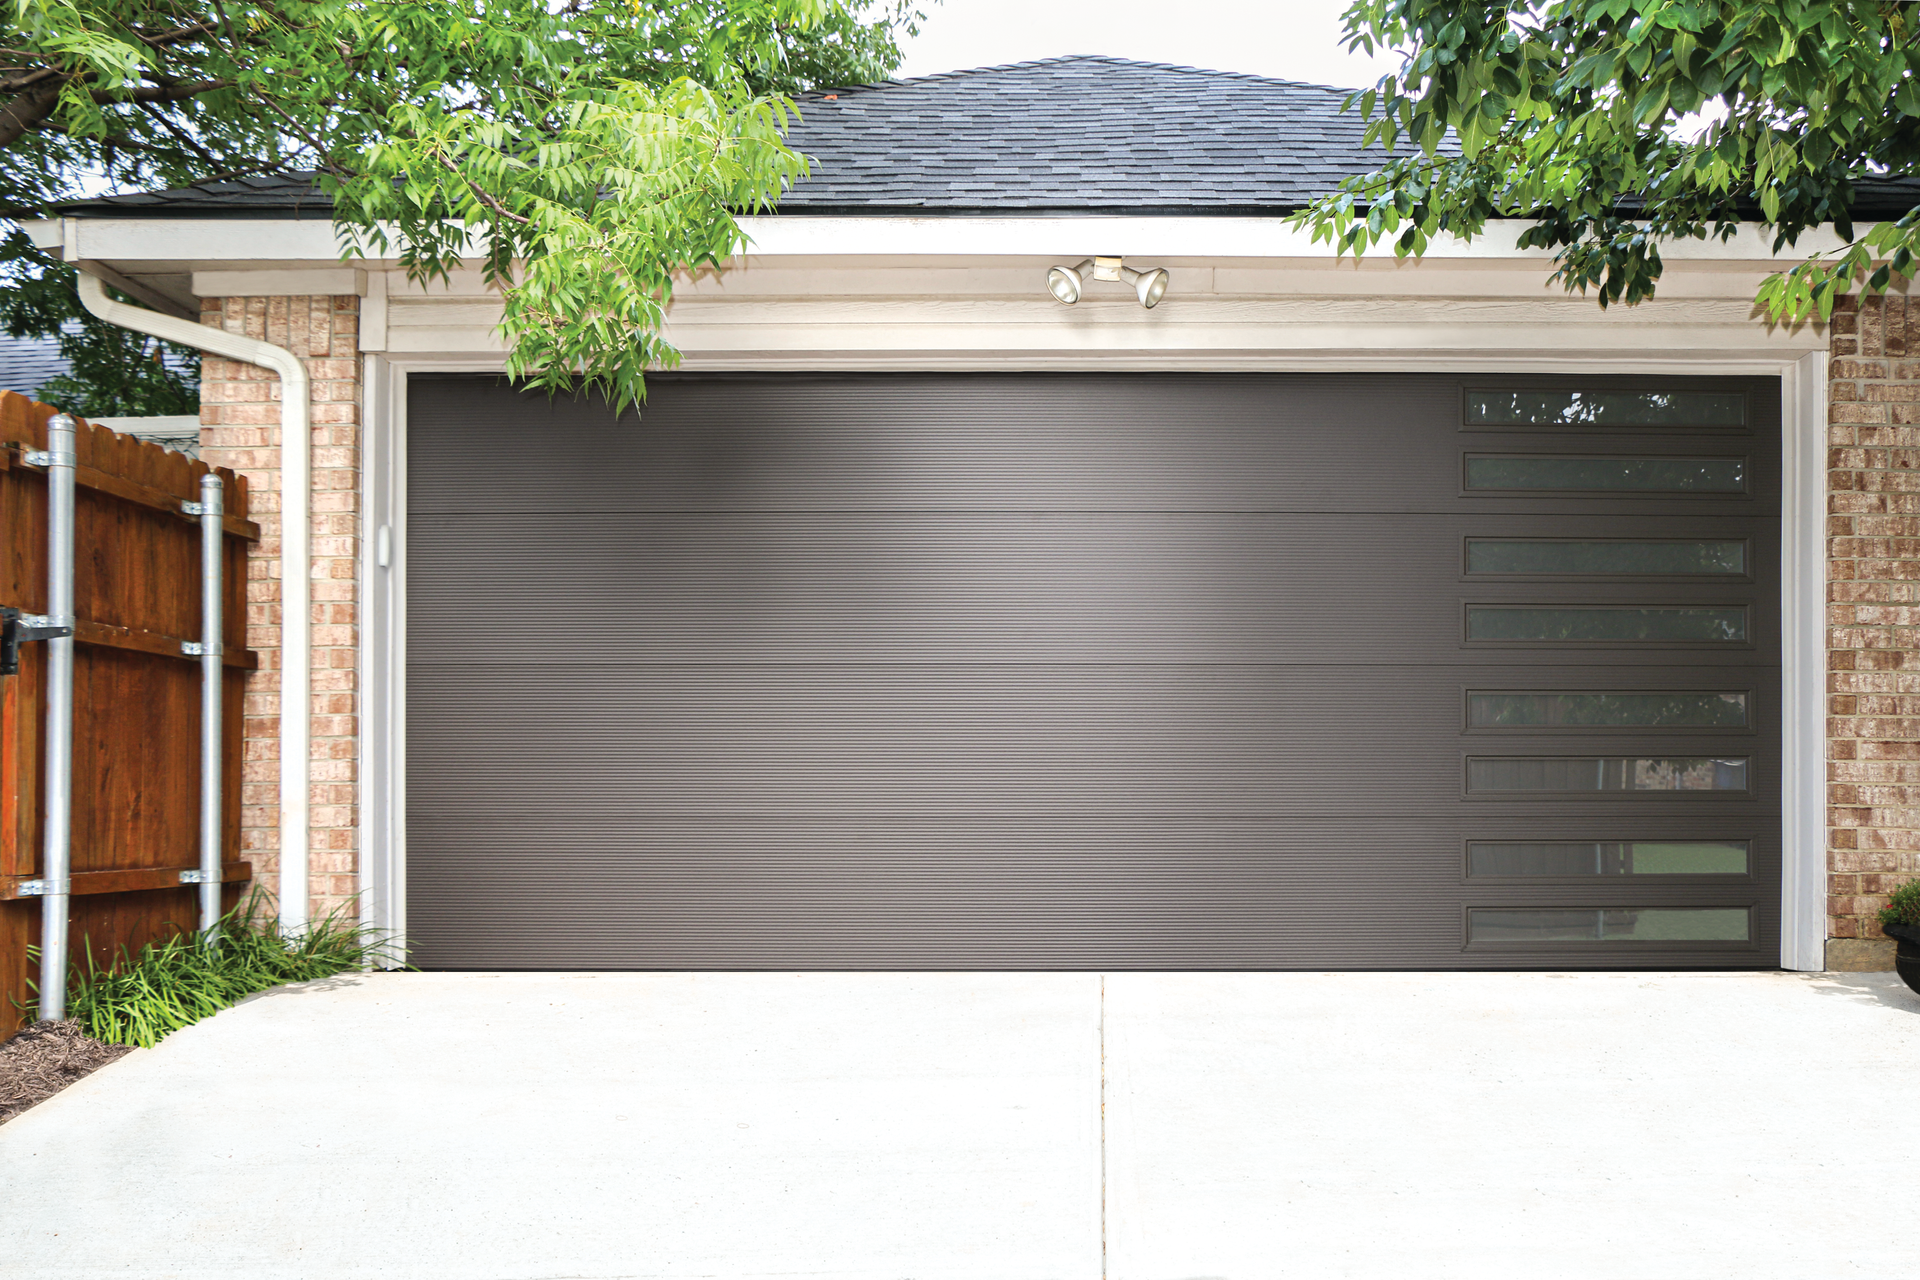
(1076, 134)
(27, 363)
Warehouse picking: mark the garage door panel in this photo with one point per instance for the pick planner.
(1043, 893)
(1048, 586)
(1192, 739)
(1159, 442)
(1158, 671)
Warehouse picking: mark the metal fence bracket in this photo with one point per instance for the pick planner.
(201, 649)
(197, 877)
(17, 628)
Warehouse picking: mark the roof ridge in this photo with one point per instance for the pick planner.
(961, 73)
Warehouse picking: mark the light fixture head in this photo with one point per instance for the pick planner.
(1150, 286)
(1065, 283)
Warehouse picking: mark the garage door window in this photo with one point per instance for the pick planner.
(1611, 924)
(1588, 409)
(1669, 558)
(1608, 624)
(1561, 473)
(1607, 710)
(1497, 774)
(1608, 858)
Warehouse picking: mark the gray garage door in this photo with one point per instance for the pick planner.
(1035, 671)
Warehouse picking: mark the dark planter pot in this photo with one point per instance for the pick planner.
(1906, 956)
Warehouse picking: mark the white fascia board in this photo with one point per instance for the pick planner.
(206, 243)
(132, 240)
(171, 423)
(799, 235)
(46, 233)
(337, 281)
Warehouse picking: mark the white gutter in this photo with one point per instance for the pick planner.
(296, 587)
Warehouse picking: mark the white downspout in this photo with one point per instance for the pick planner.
(296, 586)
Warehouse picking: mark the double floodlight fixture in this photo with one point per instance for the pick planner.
(1065, 283)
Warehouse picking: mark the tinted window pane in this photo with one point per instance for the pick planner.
(1611, 924)
(1603, 858)
(1515, 408)
(1561, 473)
(1565, 774)
(1516, 555)
(1689, 624)
(1608, 710)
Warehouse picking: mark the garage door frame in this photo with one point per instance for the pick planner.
(382, 762)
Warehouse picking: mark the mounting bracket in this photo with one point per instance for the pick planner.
(17, 628)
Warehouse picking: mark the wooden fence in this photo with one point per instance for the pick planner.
(136, 733)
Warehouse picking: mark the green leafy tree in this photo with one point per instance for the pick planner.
(1615, 126)
(584, 151)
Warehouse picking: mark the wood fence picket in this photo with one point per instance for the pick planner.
(136, 761)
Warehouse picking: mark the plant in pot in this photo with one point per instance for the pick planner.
(1900, 919)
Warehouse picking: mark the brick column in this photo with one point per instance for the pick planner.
(239, 428)
(1873, 625)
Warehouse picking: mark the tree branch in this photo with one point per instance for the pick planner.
(175, 36)
(479, 191)
(160, 92)
(179, 135)
(27, 110)
(25, 79)
(293, 126)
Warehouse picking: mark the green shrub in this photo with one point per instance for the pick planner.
(1904, 906)
(172, 984)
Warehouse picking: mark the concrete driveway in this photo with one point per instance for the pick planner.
(992, 1127)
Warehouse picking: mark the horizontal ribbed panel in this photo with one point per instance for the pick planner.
(1010, 442)
(1021, 671)
(1016, 587)
(987, 893)
(979, 740)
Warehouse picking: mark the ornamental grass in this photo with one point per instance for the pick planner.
(141, 999)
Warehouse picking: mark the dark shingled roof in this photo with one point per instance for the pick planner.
(264, 196)
(1064, 135)
(27, 363)
(1077, 135)
(1082, 134)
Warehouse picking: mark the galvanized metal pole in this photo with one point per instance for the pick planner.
(212, 520)
(55, 858)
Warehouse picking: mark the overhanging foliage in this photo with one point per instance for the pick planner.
(1615, 126)
(585, 150)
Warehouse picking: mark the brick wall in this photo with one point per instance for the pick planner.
(1873, 625)
(240, 417)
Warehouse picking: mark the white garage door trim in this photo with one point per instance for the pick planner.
(1803, 595)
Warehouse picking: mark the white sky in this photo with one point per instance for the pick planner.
(1287, 39)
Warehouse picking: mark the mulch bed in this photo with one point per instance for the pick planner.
(46, 1058)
